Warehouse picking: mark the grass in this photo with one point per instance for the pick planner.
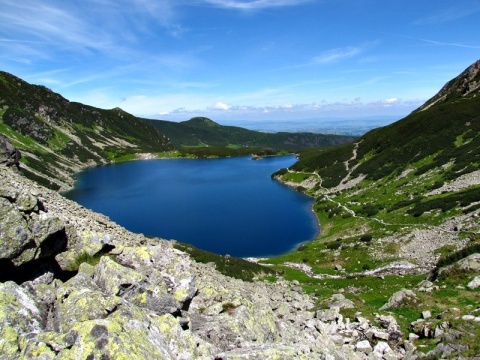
(228, 265)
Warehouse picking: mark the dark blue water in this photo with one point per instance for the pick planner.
(227, 206)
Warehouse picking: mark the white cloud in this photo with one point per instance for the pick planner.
(221, 106)
(337, 54)
(391, 100)
(254, 4)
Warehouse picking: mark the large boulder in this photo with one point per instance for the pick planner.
(9, 155)
(19, 315)
(399, 298)
(27, 232)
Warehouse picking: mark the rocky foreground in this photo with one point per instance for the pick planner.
(75, 285)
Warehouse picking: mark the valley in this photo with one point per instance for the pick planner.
(393, 274)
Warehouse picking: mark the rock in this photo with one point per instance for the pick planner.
(438, 332)
(471, 262)
(399, 298)
(475, 283)
(331, 314)
(9, 155)
(15, 235)
(413, 337)
(341, 302)
(426, 314)
(408, 345)
(446, 350)
(364, 347)
(382, 347)
(19, 315)
(112, 277)
(382, 335)
(388, 322)
(26, 202)
(425, 286)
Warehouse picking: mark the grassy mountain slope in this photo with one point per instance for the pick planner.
(201, 131)
(423, 169)
(58, 137)
(394, 204)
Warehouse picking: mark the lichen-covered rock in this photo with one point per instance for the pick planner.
(19, 314)
(15, 235)
(112, 277)
(25, 201)
(82, 305)
(475, 283)
(471, 262)
(339, 301)
(83, 243)
(163, 265)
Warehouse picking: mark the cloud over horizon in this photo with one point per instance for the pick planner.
(239, 58)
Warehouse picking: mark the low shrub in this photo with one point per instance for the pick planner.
(366, 238)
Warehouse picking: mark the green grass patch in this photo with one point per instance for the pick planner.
(228, 265)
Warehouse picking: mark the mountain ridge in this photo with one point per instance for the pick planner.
(58, 137)
(201, 131)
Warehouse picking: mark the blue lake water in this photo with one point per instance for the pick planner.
(227, 206)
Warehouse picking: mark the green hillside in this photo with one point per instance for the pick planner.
(398, 203)
(201, 131)
(426, 162)
(58, 138)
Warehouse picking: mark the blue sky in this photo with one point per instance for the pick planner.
(255, 60)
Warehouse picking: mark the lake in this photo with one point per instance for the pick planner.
(227, 206)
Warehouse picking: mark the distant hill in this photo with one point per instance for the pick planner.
(201, 131)
(58, 138)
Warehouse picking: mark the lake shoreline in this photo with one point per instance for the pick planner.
(242, 177)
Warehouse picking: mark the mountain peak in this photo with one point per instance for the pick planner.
(200, 120)
(467, 84)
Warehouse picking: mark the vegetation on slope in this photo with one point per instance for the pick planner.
(58, 137)
(405, 192)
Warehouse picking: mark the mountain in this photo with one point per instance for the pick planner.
(442, 132)
(401, 202)
(201, 131)
(58, 138)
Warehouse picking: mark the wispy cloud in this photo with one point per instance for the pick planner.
(254, 4)
(454, 13)
(40, 24)
(338, 54)
(441, 43)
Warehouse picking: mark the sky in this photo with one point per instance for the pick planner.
(242, 60)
